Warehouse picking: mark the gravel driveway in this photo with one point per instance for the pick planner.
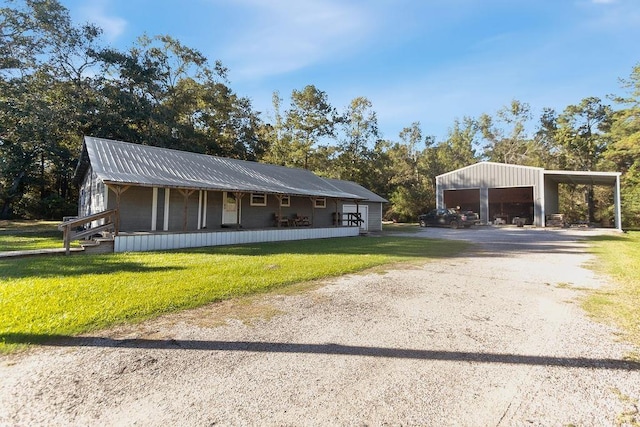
(493, 337)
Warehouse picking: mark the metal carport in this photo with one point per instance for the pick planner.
(553, 177)
(541, 186)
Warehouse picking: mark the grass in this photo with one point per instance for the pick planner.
(401, 227)
(27, 235)
(47, 297)
(619, 304)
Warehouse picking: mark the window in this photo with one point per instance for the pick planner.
(320, 203)
(285, 201)
(258, 199)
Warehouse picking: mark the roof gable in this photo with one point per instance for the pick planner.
(487, 165)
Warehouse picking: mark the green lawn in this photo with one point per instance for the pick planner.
(27, 235)
(51, 296)
(401, 227)
(619, 258)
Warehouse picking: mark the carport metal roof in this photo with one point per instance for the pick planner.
(583, 177)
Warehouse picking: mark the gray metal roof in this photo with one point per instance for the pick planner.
(504, 175)
(583, 177)
(117, 162)
(357, 189)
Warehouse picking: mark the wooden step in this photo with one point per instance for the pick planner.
(98, 246)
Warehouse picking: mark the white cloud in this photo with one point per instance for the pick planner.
(280, 36)
(96, 12)
(603, 1)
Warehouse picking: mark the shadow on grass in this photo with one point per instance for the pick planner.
(329, 348)
(65, 266)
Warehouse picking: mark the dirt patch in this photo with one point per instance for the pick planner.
(490, 338)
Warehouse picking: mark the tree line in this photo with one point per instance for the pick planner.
(58, 83)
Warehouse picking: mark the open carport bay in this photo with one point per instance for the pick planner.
(492, 337)
(505, 204)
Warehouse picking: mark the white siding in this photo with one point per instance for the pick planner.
(153, 242)
(92, 195)
(375, 216)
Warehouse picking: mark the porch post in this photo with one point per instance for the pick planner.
(279, 219)
(239, 196)
(199, 209)
(336, 213)
(154, 209)
(185, 195)
(167, 193)
(204, 210)
(313, 210)
(118, 189)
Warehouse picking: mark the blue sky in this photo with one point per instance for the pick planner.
(430, 61)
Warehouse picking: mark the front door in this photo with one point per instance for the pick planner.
(230, 208)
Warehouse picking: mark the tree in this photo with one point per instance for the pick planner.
(45, 93)
(506, 136)
(278, 149)
(57, 84)
(310, 118)
(546, 138)
(360, 127)
(583, 136)
(26, 31)
(458, 150)
(411, 191)
(623, 152)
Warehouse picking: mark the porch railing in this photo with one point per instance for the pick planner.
(76, 228)
(352, 219)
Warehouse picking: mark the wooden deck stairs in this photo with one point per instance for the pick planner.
(97, 238)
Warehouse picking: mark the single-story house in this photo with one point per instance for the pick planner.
(170, 194)
(503, 191)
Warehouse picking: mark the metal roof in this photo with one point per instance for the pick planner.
(494, 164)
(565, 177)
(583, 177)
(357, 189)
(117, 162)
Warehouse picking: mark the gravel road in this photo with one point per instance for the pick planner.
(494, 337)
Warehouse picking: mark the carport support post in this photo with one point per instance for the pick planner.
(484, 205)
(616, 205)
